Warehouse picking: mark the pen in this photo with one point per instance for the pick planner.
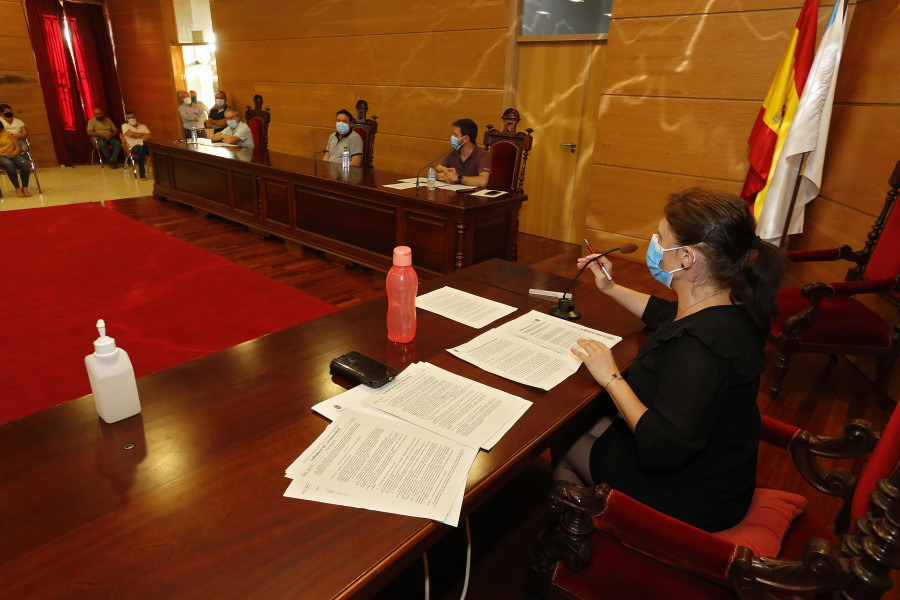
(591, 250)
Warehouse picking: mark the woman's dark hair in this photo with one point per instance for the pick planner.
(2, 106)
(224, 95)
(724, 230)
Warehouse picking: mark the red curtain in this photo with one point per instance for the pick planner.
(77, 72)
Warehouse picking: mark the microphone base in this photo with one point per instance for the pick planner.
(565, 309)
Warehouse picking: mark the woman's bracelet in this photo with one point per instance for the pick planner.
(611, 379)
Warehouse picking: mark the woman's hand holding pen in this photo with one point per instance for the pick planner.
(602, 270)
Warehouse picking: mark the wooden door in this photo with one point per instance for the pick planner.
(558, 93)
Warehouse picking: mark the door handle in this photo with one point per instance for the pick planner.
(571, 146)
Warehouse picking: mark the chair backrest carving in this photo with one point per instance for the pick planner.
(509, 151)
(258, 121)
(366, 128)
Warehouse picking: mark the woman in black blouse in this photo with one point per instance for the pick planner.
(686, 434)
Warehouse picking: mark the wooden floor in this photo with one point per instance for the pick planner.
(820, 395)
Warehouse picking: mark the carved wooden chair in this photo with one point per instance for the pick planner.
(827, 318)
(509, 151)
(609, 545)
(258, 121)
(366, 128)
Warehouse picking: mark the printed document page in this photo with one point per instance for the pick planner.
(463, 410)
(352, 399)
(533, 349)
(375, 463)
(463, 307)
(553, 333)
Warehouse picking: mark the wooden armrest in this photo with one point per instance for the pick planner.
(829, 254)
(873, 286)
(818, 571)
(806, 449)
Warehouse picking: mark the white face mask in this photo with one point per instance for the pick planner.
(132, 122)
(187, 100)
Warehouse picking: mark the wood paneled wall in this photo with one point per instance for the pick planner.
(420, 67)
(20, 86)
(682, 87)
(142, 35)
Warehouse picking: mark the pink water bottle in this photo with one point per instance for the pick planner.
(402, 285)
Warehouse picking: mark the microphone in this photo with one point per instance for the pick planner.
(429, 163)
(565, 308)
(316, 163)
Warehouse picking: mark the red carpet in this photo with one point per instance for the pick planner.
(164, 301)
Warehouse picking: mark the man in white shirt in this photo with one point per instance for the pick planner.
(192, 114)
(135, 133)
(237, 132)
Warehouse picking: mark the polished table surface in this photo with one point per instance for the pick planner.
(195, 508)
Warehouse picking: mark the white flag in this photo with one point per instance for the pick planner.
(808, 133)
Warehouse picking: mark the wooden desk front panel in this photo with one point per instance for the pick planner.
(347, 214)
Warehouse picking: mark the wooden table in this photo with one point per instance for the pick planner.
(195, 508)
(349, 215)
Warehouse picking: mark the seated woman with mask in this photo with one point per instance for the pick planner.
(686, 435)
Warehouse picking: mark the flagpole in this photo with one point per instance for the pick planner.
(787, 220)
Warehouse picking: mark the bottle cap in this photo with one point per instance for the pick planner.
(402, 256)
(104, 345)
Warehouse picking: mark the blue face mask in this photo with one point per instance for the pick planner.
(456, 142)
(220, 102)
(654, 257)
(193, 98)
(342, 128)
(232, 124)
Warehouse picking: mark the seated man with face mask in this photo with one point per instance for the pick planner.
(236, 131)
(344, 137)
(469, 164)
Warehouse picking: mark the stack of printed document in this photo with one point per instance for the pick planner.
(534, 349)
(410, 182)
(405, 448)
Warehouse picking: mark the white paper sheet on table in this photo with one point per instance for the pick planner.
(455, 187)
(456, 407)
(399, 186)
(422, 181)
(463, 307)
(371, 462)
(533, 349)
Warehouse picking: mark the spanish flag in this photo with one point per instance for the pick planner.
(777, 111)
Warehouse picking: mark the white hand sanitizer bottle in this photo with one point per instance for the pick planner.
(112, 379)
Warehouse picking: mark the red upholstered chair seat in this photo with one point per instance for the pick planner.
(826, 317)
(619, 573)
(509, 152)
(365, 138)
(610, 546)
(504, 158)
(256, 128)
(840, 321)
(632, 541)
